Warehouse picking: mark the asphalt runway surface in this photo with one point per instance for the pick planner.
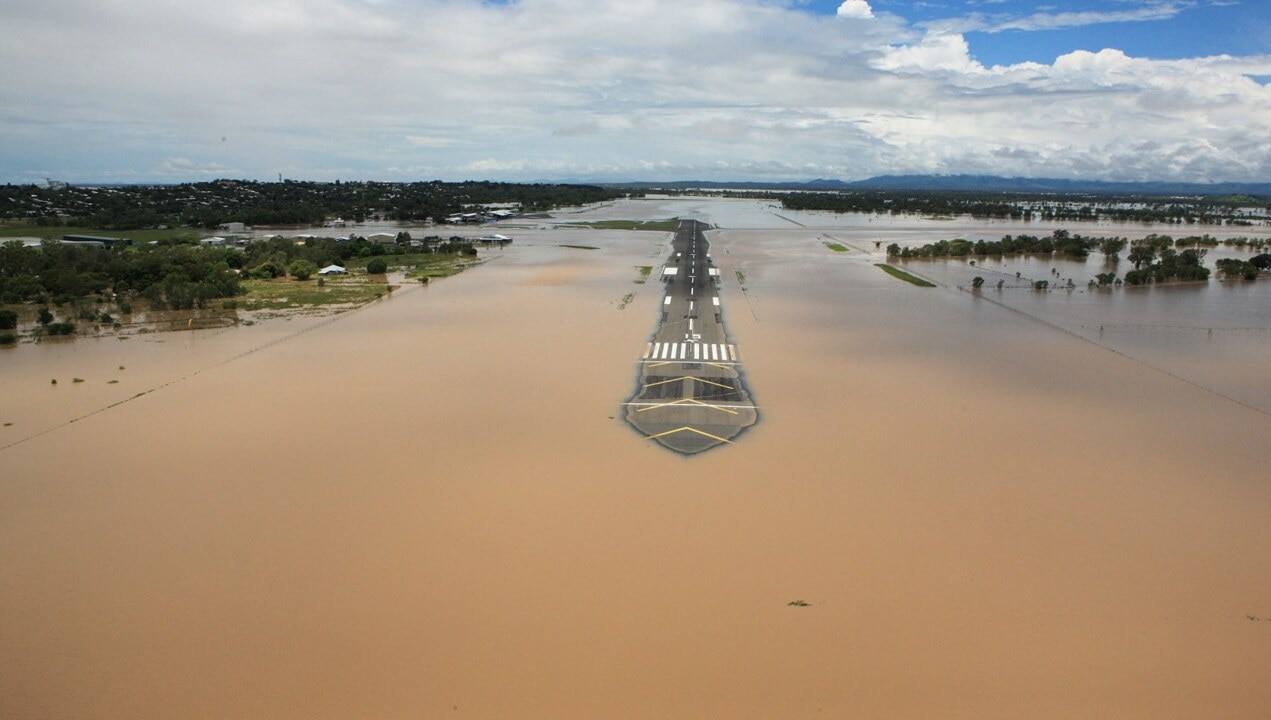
(691, 394)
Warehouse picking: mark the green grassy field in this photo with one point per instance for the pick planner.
(10, 229)
(836, 247)
(283, 294)
(902, 275)
(654, 225)
(418, 265)
(353, 289)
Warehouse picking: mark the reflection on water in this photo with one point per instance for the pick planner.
(431, 507)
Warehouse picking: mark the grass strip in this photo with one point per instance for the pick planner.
(45, 232)
(427, 265)
(902, 275)
(836, 247)
(654, 225)
(282, 294)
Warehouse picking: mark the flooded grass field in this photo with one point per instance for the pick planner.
(1008, 505)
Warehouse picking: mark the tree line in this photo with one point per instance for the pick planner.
(210, 204)
(1060, 242)
(1049, 207)
(173, 274)
(1156, 258)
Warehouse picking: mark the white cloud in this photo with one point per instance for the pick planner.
(589, 89)
(937, 52)
(856, 9)
(1001, 22)
(1055, 21)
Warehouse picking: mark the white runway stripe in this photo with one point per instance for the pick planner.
(717, 352)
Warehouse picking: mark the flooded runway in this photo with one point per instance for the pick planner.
(692, 394)
(432, 507)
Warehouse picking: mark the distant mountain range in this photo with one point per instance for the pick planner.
(976, 183)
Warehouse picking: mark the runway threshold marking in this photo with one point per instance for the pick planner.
(690, 429)
(663, 382)
(692, 401)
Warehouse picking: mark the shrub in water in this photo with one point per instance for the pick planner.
(60, 328)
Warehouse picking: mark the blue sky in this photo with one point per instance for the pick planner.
(1169, 29)
(151, 90)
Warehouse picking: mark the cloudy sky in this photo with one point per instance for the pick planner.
(156, 90)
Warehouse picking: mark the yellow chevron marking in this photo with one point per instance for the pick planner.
(688, 400)
(690, 429)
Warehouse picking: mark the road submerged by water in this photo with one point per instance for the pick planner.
(691, 395)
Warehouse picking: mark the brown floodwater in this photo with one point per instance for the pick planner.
(431, 507)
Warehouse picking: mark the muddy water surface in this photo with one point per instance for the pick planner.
(431, 507)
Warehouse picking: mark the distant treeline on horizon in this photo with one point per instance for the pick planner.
(290, 202)
(293, 202)
(978, 183)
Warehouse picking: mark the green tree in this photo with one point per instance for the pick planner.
(60, 328)
(1233, 267)
(377, 266)
(301, 269)
(8, 320)
(1142, 254)
(45, 317)
(978, 282)
(1111, 248)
